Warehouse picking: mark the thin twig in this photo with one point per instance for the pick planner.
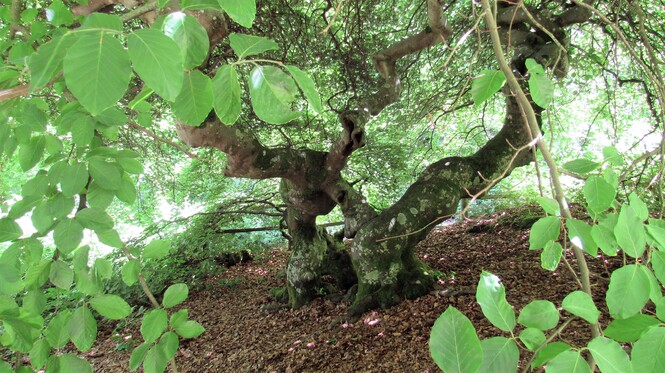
(165, 141)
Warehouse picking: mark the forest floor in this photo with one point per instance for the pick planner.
(246, 333)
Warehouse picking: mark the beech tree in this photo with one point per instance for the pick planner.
(228, 75)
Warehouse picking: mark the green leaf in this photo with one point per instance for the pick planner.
(603, 235)
(532, 338)
(157, 249)
(111, 306)
(174, 295)
(649, 352)
(581, 166)
(630, 329)
(104, 268)
(308, 88)
(37, 274)
(540, 85)
(31, 153)
(612, 156)
(551, 255)
(109, 22)
(491, 295)
(272, 91)
(551, 206)
(127, 191)
(658, 265)
(9, 230)
(82, 328)
(249, 45)
(628, 291)
(83, 130)
(629, 232)
(579, 234)
(130, 272)
(94, 218)
(34, 302)
(155, 360)
(580, 304)
(499, 355)
(110, 237)
(59, 14)
(568, 362)
(226, 98)
(131, 165)
(610, 356)
(486, 84)
(41, 218)
(179, 318)
(74, 179)
(598, 193)
(69, 363)
(189, 35)
(548, 352)
(21, 207)
(67, 235)
(241, 11)
(97, 71)
(138, 355)
(189, 329)
(47, 62)
(169, 344)
(153, 325)
(81, 257)
(453, 343)
(61, 275)
(541, 314)
(155, 58)
(194, 102)
(641, 209)
(98, 197)
(544, 230)
(39, 353)
(107, 175)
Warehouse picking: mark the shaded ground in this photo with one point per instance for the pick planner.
(246, 333)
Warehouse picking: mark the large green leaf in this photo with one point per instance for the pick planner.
(532, 338)
(94, 218)
(130, 272)
(486, 84)
(641, 209)
(544, 230)
(107, 175)
(169, 343)
(630, 329)
(82, 328)
(540, 85)
(154, 324)
(189, 329)
(31, 153)
(39, 354)
(581, 166)
(47, 62)
(499, 355)
(249, 45)
(548, 352)
(194, 102)
(68, 363)
(157, 60)
(628, 291)
(67, 235)
(97, 71)
(74, 179)
(579, 234)
(156, 249)
(138, 355)
(111, 306)
(226, 91)
(61, 275)
(189, 35)
(57, 333)
(491, 295)
(9, 230)
(272, 91)
(580, 304)
(568, 362)
(174, 295)
(453, 343)
(541, 314)
(658, 265)
(83, 130)
(308, 88)
(241, 11)
(551, 255)
(598, 193)
(155, 360)
(610, 356)
(649, 352)
(629, 232)
(109, 22)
